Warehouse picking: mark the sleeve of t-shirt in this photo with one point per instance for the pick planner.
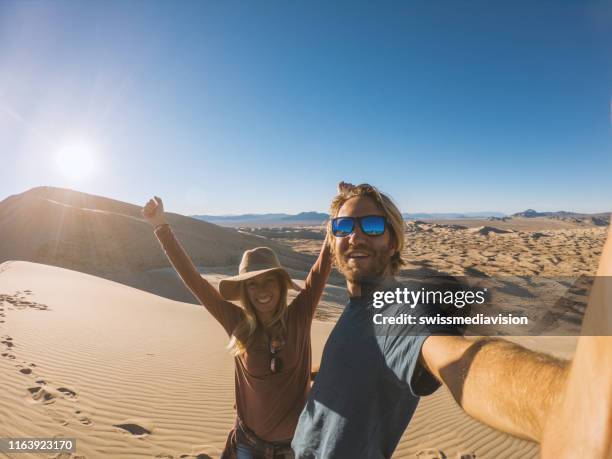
(421, 381)
(403, 351)
(402, 358)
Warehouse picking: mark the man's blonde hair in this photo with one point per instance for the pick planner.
(386, 205)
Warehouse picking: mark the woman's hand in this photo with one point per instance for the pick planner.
(153, 212)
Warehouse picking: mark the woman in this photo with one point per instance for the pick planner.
(270, 339)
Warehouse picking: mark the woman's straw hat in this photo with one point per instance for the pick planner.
(255, 262)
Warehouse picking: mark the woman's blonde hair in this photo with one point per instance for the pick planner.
(246, 331)
(386, 205)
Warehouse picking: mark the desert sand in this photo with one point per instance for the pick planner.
(81, 356)
(512, 250)
(130, 374)
(512, 247)
(144, 373)
(518, 247)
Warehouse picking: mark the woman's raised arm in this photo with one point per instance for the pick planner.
(319, 273)
(317, 277)
(227, 313)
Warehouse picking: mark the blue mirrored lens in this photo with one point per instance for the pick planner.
(342, 226)
(373, 225)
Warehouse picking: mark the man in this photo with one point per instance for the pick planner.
(369, 383)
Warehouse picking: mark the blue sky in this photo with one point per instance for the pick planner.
(225, 107)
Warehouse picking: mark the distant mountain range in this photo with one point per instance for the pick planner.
(314, 218)
(319, 217)
(307, 217)
(452, 215)
(600, 219)
(530, 213)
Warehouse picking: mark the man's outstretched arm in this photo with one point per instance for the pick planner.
(581, 423)
(498, 382)
(531, 395)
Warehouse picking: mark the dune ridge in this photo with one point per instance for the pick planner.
(110, 239)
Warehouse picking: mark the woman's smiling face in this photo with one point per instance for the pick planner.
(264, 292)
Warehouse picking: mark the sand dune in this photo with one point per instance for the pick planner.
(133, 375)
(109, 238)
(102, 236)
(538, 267)
(517, 247)
(540, 250)
(538, 246)
(127, 373)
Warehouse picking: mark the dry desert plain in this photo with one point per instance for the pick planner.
(132, 373)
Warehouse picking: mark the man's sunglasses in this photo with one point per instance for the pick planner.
(372, 225)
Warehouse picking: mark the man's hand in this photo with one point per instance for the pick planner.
(153, 212)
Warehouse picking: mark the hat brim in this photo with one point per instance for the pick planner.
(230, 288)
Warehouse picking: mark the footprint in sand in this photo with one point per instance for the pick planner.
(68, 393)
(33, 390)
(7, 355)
(134, 429)
(19, 302)
(431, 454)
(466, 455)
(47, 396)
(25, 369)
(42, 395)
(58, 417)
(84, 420)
(198, 456)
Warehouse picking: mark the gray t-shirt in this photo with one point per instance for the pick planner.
(368, 385)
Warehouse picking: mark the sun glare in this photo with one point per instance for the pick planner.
(76, 161)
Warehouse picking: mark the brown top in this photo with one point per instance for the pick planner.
(269, 404)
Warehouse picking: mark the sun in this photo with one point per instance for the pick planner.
(76, 161)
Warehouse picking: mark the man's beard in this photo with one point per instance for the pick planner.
(377, 269)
